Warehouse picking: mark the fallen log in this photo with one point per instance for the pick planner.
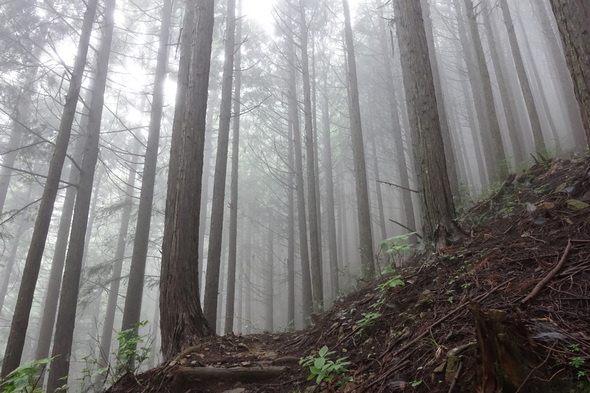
(234, 374)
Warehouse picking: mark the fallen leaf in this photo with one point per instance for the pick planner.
(577, 204)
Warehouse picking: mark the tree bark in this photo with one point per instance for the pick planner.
(109, 318)
(330, 210)
(235, 162)
(20, 319)
(514, 131)
(307, 300)
(314, 244)
(66, 317)
(181, 316)
(396, 127)
(522, 77)
(437, 201)
(573, 21)
(133, 299)
(218, 201)
(358, 152)
(440, 102)
(559, 67)
(491, 118)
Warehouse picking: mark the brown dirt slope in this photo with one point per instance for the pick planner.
(507, 309)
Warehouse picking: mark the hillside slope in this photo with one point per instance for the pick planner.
(505, 309)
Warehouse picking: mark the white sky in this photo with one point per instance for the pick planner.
(261, 10)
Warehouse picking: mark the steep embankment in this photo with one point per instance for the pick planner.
(506, 309)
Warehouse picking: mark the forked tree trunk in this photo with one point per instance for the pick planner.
(20, 319)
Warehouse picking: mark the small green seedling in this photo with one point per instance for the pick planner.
(322, 368)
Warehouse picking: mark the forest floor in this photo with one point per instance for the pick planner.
(506, 309)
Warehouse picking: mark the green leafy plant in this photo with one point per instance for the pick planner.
(130, 357)
(577, 363)
(394, 247)
(26, 377)
(368, 319)
(322, 368)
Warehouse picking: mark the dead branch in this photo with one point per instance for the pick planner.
(551, 274)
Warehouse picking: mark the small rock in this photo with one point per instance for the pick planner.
(426, 298)
(236, 390)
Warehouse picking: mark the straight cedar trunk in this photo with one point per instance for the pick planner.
(484, 153)
(440, 102)
(438, 209)
(537, 83)
(20, 319)
(218, 201)
(514, 131)
(358, 152)
(133, 299)
(313, 213)
(181, 316)
(402, 162)
(109, 318)
(573, 21)
(290, 229)
(491, 118)
(307, 302)
(330, 209)
(235, 162)
(66, 316)
(61, 244)
(269, 280)
(563, 83)
(525, 85)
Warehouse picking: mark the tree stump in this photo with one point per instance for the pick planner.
(504, 364)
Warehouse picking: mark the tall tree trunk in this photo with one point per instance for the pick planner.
(514, 131)
(537, 83)
(522, 77)
(400, 152)
(479, 101)
(307, 300)
(269, 280)
(560, 68)
(181, 316)
(314, 244)
(437, 201)
(235, 161)
(358, 152)
(218, 202)
(491, 117)
(133, 299)
(330, 209)
(109, 319)
(20, 319)
(66, 317)
(440, 101)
